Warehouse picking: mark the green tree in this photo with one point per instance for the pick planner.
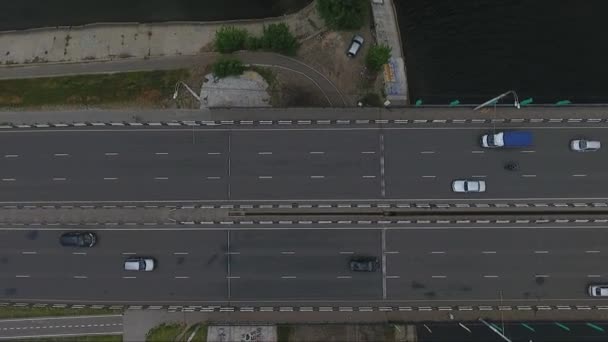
(343, 14)
(377, 56)
(227, 66)
(230, 39)
(278, 38)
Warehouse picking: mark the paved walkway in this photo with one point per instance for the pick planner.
(387, 32)
(266, 59)
(60, 326)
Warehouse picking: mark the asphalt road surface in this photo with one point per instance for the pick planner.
(282, 164)
(57, 327)
(453, 265)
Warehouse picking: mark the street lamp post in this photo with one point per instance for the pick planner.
(187, 88)
(494, 100)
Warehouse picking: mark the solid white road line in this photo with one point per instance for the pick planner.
(527, 151)
(478, 152)
(344, 277)
(61, 155)
(264, 177)
(8, 179)
(110, 178)
(368, 176)
(264, 153)
(22, 276)
(59, 179)
(368, 152)
(593, 276)
(594, 251)
(541, 276)
(528, 176)
(30, 253)
(579, 175)
(288, 253)
(80, 277)
(161, 153)
(161, 178)
(128, 277)
(182, 277)
(317, 177)
(288, 277)
(488, 252)
(437, 252)
(111, 153)
(490, 276)
(346, 252)
(11, 155)
(180, 253)
(213, 177)
(541, 252)
(213, 153)
(429, 176)
(439, 276)
(427, 152)
(316, 152)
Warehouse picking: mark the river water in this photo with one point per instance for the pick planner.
(473, 50)
(21, 14)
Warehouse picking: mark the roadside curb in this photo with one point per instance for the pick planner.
(388, 308)
(196, 123)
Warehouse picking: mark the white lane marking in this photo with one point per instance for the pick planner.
(368, 152)
(29, 252)
(232, 253)
(288, 277)
(593, 251)
(61, 155)
(439, 276)
(59, 179)
(180, 253)
(288, 252)
(22, 276)
(429, 176)
(161, 153)
(541, 252)
(316, 152)
(392, 277)
(80, 277)
(478, 151)
(478, 176)
(161, 178)
(527, 151)
(8, 179)
(427, 152)
(264, 177)
(129, 277)
(368, 177)
(213, 153)
(464, 327)
(264, 153)
(528, 176)
(391, 252)
(317, 177)
(343, 277)
(182, 277)
(488, 252)
(110, 178)
(233, 277)
(437, 252)
(490, 276)
(346, 252)
(593, 276)
(79, 253)
(11, 155)
(213, 177)
(541, 276)
(111, 154)
(128, 253)
(579, 175)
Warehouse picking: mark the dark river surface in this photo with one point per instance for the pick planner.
(473, 50)
(469, 50)
(21, 14)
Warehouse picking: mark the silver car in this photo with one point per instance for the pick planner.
(355, 45)
(139, 264)
(582, 145)
(598, 290)
(468, 185)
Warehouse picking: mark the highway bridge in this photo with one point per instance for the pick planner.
(300, 262)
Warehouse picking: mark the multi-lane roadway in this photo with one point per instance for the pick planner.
(291, 164)
(432, 264)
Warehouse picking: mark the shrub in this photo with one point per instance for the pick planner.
(343, 14)
(377, 56)
(230, 39)
(226, 66)
(278, 38)
(252, 43)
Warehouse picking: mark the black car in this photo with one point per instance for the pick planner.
(364, 264)
(78, 239)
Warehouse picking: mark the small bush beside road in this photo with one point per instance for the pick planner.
(377, 56)
(226, 66)
(230, 39)
(275, 38)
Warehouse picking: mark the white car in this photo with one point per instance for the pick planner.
(467, 185)
(355, 45)
(598, 290)
(139, 264)
(582, 145)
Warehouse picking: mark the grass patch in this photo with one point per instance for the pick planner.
(22, 312)
(166, 332)
(144, 87)
(284, 333)
(91, 338)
